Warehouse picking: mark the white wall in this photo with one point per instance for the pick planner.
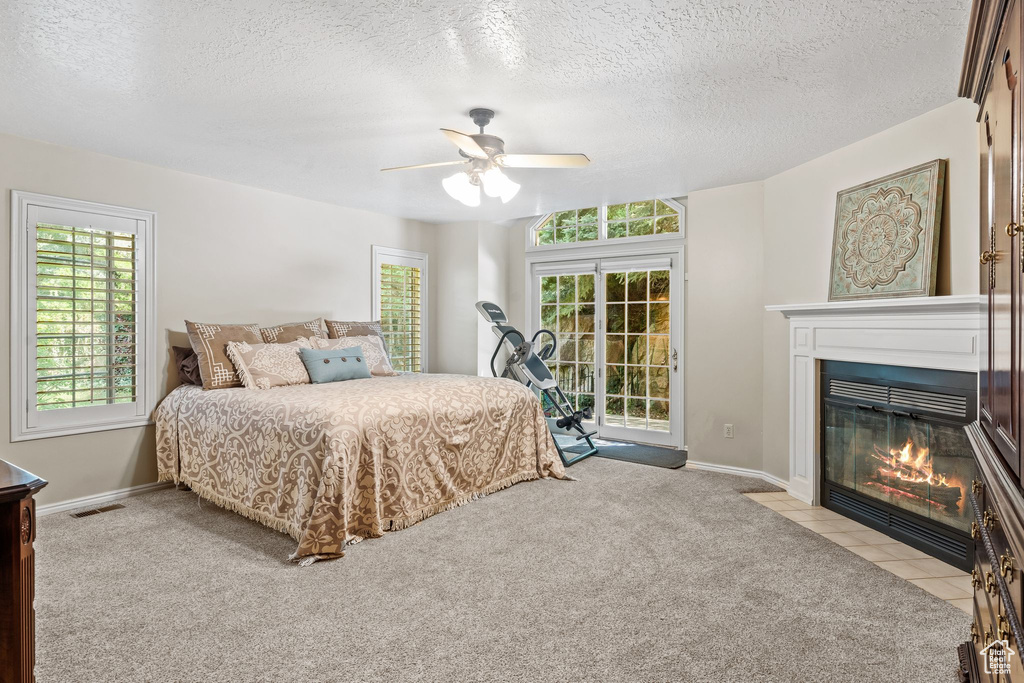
(473, 266)
(225, 253)
(799, 214)
(492, 285)
(454, 272)
(723, 325)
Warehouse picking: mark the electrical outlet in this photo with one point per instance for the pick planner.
(728, 431)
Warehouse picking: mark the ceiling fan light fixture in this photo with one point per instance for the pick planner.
(462, 188)
(484, 156)
(497, 184)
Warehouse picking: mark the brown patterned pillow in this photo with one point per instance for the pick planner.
(373, 351)
(261, 366)
(289, 332)
(337, 329)
(187, 362)
(210, 342)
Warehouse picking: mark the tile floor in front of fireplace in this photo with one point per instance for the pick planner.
(935, 576)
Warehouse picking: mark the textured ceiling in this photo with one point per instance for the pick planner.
(312, 97)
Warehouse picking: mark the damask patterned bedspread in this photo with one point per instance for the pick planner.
(331, 464)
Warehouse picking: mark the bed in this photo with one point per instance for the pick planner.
(332, 464)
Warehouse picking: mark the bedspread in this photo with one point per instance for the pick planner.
(331, 464)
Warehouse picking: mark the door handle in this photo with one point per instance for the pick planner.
(987, 257)
(1012, 229)
(675, 361)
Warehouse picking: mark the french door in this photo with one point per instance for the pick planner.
(618, 323)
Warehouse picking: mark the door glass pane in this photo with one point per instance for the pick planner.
(637, 349)
(567, 309)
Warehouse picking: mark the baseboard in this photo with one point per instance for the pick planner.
(99, 499)
(740, 471)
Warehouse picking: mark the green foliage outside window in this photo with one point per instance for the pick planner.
(85, 317)
(637, 349)
(400, 314)
(632, 219)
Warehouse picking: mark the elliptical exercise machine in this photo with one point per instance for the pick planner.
(527, 367)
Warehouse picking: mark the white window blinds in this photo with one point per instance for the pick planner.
(85, 317)
(400, 303)
(82, 306)
(400, 315)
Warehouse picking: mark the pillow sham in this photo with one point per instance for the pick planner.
(262, 366)
(289, 332)
(210, 341)
(335, 366)
(373, 352)
(338, 329)
(187, 363)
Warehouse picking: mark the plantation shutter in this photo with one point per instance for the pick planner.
(85, 307)
(400, 314)
(81, 317)
(400, 302)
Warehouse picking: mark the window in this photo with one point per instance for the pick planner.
(651, 218)
(577, 225)
(400, 280)
(81, 317)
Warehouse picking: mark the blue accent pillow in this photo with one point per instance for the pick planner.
(335, 365)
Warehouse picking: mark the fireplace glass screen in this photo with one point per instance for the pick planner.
(918, 465)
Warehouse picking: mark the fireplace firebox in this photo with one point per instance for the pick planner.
(895, 454)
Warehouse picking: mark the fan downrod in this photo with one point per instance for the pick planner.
(481, 117)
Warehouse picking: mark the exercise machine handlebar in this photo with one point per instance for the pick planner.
(554, 343)
(497, 348)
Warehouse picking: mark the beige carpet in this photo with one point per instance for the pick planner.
(629, 574)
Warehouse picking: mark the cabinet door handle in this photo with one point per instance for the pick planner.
(989, 520)
(1006, 567)
(987, 257)
(1012, 229)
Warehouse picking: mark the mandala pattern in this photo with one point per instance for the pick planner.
(331, 464)
(262, 366)
(881, 237)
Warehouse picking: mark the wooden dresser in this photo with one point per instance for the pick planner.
(17, 573)
(991, 77)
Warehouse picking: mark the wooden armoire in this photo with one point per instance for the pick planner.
(992, 77)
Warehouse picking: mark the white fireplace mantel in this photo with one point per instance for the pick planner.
(939, 332)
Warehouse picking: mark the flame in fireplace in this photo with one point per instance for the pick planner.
(911, 468)
(910, 464)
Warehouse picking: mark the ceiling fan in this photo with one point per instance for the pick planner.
(484, 158)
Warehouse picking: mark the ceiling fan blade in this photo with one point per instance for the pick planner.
(466, 143)
(542, 160)
(440, 163)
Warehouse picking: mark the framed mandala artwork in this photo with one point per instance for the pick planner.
(886, 240)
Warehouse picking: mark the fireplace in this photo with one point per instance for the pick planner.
(895, 456)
